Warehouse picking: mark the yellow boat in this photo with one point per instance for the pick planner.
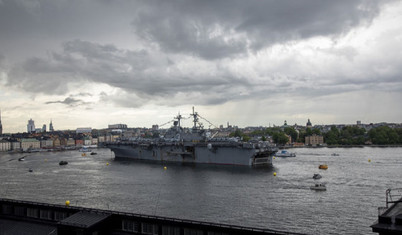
(323, 167)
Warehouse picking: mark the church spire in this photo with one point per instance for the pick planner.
(51, 126)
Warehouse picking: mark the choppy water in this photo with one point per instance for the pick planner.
(224, 194)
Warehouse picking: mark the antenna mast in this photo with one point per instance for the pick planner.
(195, 118)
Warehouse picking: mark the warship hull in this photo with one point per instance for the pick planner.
(223, 154)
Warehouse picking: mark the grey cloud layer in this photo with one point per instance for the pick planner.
(217, 29)
(147, 76)
(191, 47)
(209, 29)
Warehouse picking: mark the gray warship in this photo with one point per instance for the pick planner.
(194, 145)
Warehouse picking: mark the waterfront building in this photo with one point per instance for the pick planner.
(314, 140)
(129, 134)
(31, 126)
(27, 144)
(70, 142)
(117, 126)
(112, 138)
(1, 126)
(79, 142)
(87, 141)
(5, 145)
(83, 130)
(115, 138)
(15, 145)
(56, 142)
(46, 143)
(51, 126)
(94, 141)
(101, 139)
(63, 141)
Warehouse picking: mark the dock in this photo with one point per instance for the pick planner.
(26, 217)
(390, 217)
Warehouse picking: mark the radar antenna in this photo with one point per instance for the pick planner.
(195, 118)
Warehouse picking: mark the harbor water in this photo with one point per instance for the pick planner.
(356, 181)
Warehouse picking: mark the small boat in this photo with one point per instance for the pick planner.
(334, 154)
(30, 170)
(284, 153)
(63, 163)
(93, 153)
(323, 167)
(318, 187)
(21, 159)
(317, 176)
(85, 149)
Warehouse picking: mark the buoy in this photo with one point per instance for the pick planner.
(369, 160)
(274, 173)
(274, 157)
(67, 203)
(107, 164)
(165, 168)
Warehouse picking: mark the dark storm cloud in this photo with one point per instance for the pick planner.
(191, 48)
(67, 101)
(217, 29)
(148, 76)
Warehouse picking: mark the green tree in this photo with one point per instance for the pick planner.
(291, 132)
(384, 135)
(332, 136)
(399, 133)
(236, 133)
(280, 138)
(316, 131)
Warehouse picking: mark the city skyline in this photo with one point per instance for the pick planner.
(251, 63)
(31, 127)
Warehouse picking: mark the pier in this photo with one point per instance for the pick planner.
(390, 217)
(25, 217)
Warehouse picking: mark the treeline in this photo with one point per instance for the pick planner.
(349, 135)
(353, 135)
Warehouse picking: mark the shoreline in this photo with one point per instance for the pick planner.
(343, 146)
(46, 150)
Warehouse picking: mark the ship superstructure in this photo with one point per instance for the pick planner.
(194, 145)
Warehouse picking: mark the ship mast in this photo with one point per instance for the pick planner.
(195, 119)
(178, 119)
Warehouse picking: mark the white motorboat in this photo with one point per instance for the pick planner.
(285, 153)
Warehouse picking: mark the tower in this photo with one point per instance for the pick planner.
(31, 126)
(1, 126)
(51, 126)
(308, 124)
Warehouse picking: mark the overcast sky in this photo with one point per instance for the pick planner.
(250, 63)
